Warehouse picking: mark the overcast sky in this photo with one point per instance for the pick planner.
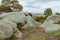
(38, 6)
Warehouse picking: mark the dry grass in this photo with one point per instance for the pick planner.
(35, 36)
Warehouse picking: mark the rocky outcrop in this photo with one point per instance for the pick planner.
(30, 22)
(8, 23)
(52, 23)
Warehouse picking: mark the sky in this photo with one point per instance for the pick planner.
(38, 6)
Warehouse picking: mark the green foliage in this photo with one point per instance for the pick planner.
(55, 32)
(57, 13)
(27, 28)
(15, 5)
(19, 6)
(30, 14)
(12, 37)
(35, 36)
(5, 9)
(40, 19)
(48, 12)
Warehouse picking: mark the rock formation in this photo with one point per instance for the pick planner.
(52, 23)
(8, 23)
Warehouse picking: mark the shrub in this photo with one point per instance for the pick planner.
(27, 28)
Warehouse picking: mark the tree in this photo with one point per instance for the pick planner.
(30, 14)
(5, 9)
(48, 12)
(15, 5)
(57, 13)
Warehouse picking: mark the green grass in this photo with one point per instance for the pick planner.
(35, 36)
(55, 32)
(12, 37)
(28, 28)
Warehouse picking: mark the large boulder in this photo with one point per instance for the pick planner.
(8, 23)
(52, 23)
(16, 17)
(30, 22)
(6, 29)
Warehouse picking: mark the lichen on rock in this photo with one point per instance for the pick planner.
(52, 25)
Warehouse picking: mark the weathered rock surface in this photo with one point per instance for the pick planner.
(52, 23)
(30, 22)
(8, 23)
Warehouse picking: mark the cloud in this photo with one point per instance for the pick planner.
(38, 6)
(0, 1)
(54, 5)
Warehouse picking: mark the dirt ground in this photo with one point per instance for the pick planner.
(36, 34)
